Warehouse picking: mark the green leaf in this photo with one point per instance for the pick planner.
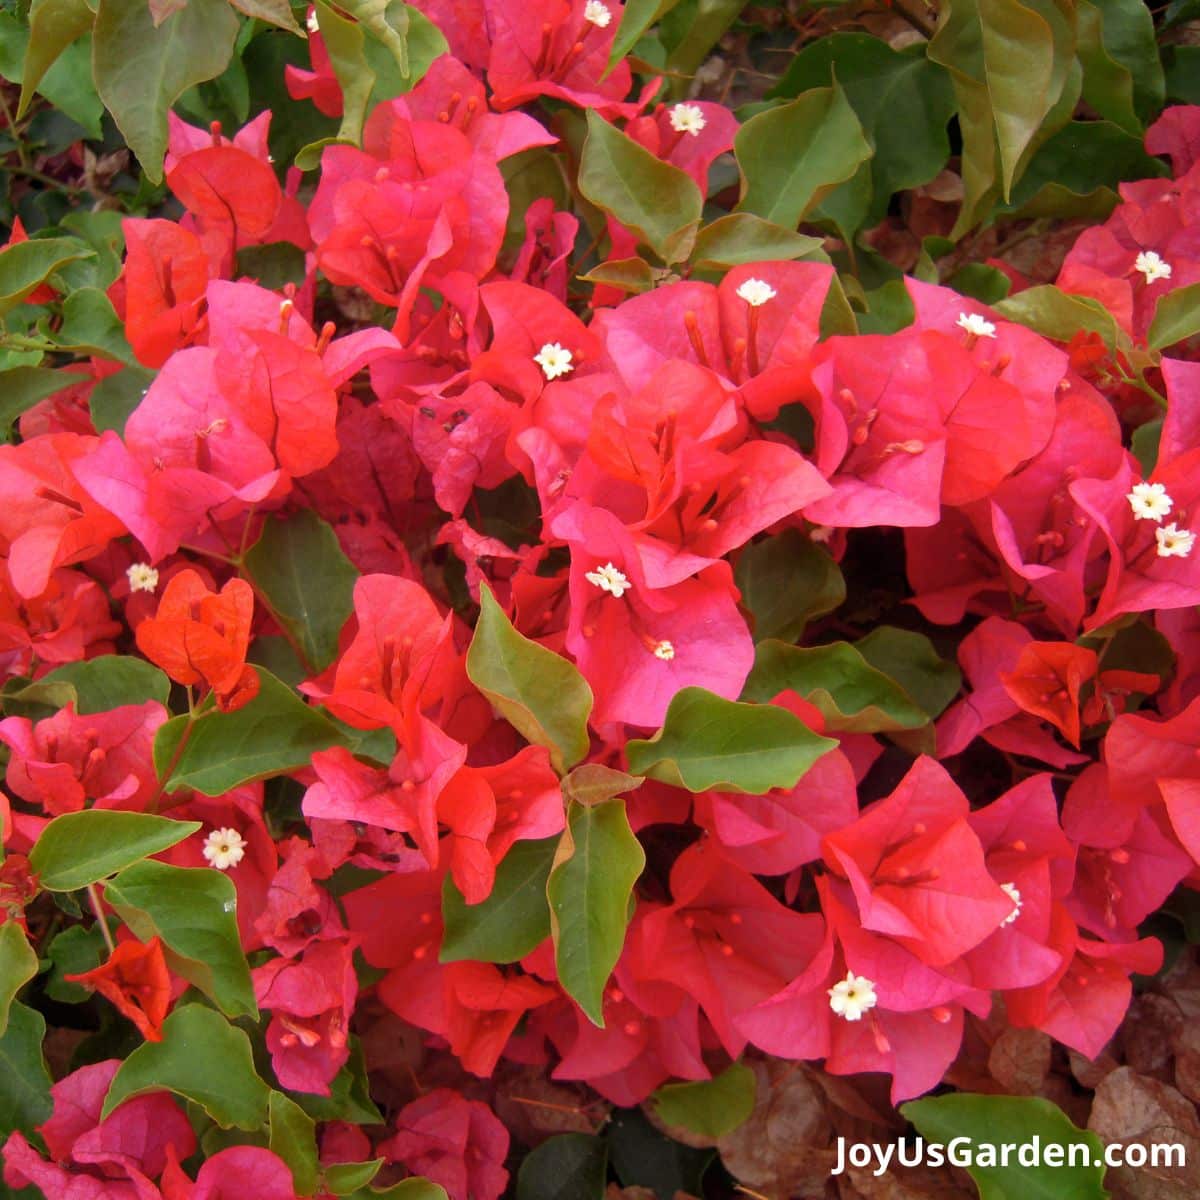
(114, 398)
(18, 965)
(708, 743)
(299, 567)
(513, 920)
(272, 266)
(53, 26)
(636, 18)
(75, 951)
(852, 695)
(79, 848)
(1135, 88)
(274, 12)
(643, 1156)
(349, 1096)
(741, 238)
(711, 1108)
(273, 734)
(1060, 315)
(91, 326)
(633, 275)
(1144, 443)
(597, 863)
(344, 1178)
(696, 27)
(111, 681)
(24, 1081)
(293, 1138)
(27, 264)
(192, 909)
(825, 147)
(990, 1121)
(1183, 73)
(141, 69)
(593, 783)
(537, 691)
(1176, 317)
(653, 199)
(22, 387)
(911, 661)
(201, 1058)
(902, 99)
(785, 581)
(571, 1166)
(415, 1188)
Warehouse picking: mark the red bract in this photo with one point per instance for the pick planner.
(200, 637)
(136, 980)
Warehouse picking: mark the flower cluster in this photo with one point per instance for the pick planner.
(654, 499)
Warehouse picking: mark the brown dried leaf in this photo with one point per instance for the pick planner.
(783, 1150)
(909, 1183)
(1020, 1061)
(535, 1108)
(1187, 1060)
(1131, 1108)
(1148, 1033)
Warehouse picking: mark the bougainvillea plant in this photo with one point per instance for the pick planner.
(586, 603)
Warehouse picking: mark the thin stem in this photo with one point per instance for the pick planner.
(94, 901)
(9, 120)
(152, 804)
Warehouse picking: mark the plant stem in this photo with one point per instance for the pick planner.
(94, 901)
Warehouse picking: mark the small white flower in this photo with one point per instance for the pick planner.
(1152, 266)
(1014, 894)
(756, 292)
(688, 118)
(142, 577)
(312, 23)
(555, 360)
(599, 14)
(1149, 501)
(975, 325)
(852, 996)
(1174, 542)
(224, 848)
(664, 650)
(609, 579)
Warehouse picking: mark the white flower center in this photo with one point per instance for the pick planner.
(142, 577)
(599, 14)
(312, 23)
(975, 325)
(756, 292)
(555, 360)
(688, 118)
(608, 579)
(224, 848)
(1174, 542)
(1014, 894)
(1149, 501)
(664, 650)
(852, 996)
(1152, 266)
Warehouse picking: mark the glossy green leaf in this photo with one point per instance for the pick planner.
(53, 26)
(571, 1166)
(910, 660)
(22, 387)
(90, 325)
(633, 275)
(712, 1107)
(1060, 315)
(708, 743)
(744, 238)
(110, 681)
(991, 1121)
(1176, 317)
(653, 199)
(293, 1138)
(141, 68)
(344, 1178)
(273, 734)
(1182, 65)
(696, 28)
(1123, 74)
(414, 1188)
(593, 783)
(513, 920)
(636, 17)
(825, 144)
(537, 691)
(786, 581)
(643, 1156)
(852, 695)
(24, 1081)
(79, 848)
(596, 865)
(203, 1059)
(298, 566)
(1144, 444)
(274, 12)
(18, 965)
(75, 951)
(27, 264)
(193, 910)
(903, 101)
(114, 398)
